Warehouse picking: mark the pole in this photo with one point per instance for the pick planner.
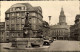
(79, 6)
(49, 19)
(49, 23)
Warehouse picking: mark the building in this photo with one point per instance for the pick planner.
(61, 30)
(2, 32)
(75, 29)
(15, 20)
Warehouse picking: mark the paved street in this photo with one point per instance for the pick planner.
(58, 45)
(63, 45)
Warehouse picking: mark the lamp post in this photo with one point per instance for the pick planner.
(79, 6)
(49, 23)
(49, 19)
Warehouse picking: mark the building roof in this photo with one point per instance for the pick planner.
(28, 6)
(38, 8)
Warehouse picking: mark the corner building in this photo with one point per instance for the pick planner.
(15, 19)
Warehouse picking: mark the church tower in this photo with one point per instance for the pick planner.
(62, 18)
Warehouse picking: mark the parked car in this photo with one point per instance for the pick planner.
(51, 39)
(46, 43)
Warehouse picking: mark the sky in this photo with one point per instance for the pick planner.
(49, 8)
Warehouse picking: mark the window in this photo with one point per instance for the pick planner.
(12, 14)
(18, 20)
(32, 14)
(7, 22)
(22, 25)
(12, 21)
(7, 27)
(23, 8)
(18, 8)
(11, 9)
(12, 27)
(17, 26)
(39, 21)
(7, 15)
(12, 35)
(23, 20)
(18, 14)
(23, 14)
(34, 20)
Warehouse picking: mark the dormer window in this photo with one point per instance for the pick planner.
(23, 8)
(18, 8)
(11, 9)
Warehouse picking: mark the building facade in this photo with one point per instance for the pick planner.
(75, 29)
(61, 30)
(15, 19)
(2, 32)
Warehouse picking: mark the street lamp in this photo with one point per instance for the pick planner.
(49, 19)
(49, 23)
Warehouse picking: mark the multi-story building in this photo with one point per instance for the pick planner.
(15, 19)
(61, 30)
(75, 29)
(2, 32)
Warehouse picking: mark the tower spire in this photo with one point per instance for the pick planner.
(62, 17)
(62, 9)
(62, 12)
